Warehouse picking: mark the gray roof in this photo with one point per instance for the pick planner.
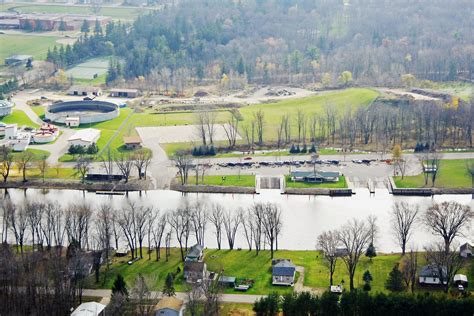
(195, 251)
(432, 271)
(227, 279)
(323, 174)
(284, 268)
(465, 246)
(20, 57)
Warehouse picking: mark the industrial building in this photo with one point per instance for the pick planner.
(84, 137)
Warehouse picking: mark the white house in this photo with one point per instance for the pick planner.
(21, 141)
(85, 137)
(465, 250)
(72, 121)
(169, 306)
(429, 275)
(89, 309)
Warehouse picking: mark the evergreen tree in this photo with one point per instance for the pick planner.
(62, 26)
(119, 286)
(367, 277)
(85, 27)
(29, 63)
(394, 281)
(371, 252)
(312, 149)
(169, 288)
(97, 27)
(240, 66)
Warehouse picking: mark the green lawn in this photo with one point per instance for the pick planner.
(452, 174)
(328, 185)
(37, 46)
(51, 173)
(118, 13)
(39, 110)
(39, 154)
(226, 180)
(100, 80)
(19, 117)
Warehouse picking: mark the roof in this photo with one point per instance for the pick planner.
(20, 57)
(284, 267)
(227, 279)
(195, 251)
(460, 277)
(323, 174)
(87, 135)
(170, 303)
(84, 88)
(123, 90)
(132, 139)
(5, 104)
(192, 266)
(88, 309)
(432, 271)
(465, 246)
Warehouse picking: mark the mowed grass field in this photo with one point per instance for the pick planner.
(246, 264)
(117, 13)
(327, 185)
(452, 174)
(36, 46)
(225, 180)
(19, 117)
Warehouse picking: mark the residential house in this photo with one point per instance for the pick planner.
(85, 137)
(169, 306)
(430, 275)
(132, 142)
(341, 252)
(17, 59)
(194, 271)
(283, 272)
(315, 176)
(465, 250)
(194, 253)
(89, 309)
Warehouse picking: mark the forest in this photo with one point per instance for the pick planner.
(293, 41)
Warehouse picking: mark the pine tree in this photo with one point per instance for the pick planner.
(119, 286)
(97, 27)
(62, 26)
(394, 281)
(169, 288)
(240, 66)
(371, 252)
(85, 27)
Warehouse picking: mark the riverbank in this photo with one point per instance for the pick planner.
(133, 185)
(426, 191)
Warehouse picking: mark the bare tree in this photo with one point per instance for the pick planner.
(82, 166)
(77, 221)
(180, 221)
(23, 161)
(211, 292)
(270, 221)
(126, 220)
(145, 298)
(327, 243)
(259, 118)
(231, 130)
(447, 262)
(403, 217)
(199, 221)
(231, 225)
(409, 269)
(49, 222)
(104, 233)
(217, 219)
(447, 220)
(18, 221)
(107, 162)
(124, 163)
(141, 160)
(157, 231)
(354, 237)
(6, 162)
(42, 165)
(257, 218)
(183, 162)
(141, 217)
(34, 216)
(193, 304)
(248, 227)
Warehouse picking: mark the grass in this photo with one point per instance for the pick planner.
(226, 180)
(51, 173)
(118, 13)
(19, 117)
(38, 153)
(341, 184)
(452, 174)
(36, 46)
(236, 309)
(39, 110)
(99, 80)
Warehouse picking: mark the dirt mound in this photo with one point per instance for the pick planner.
(201, 93)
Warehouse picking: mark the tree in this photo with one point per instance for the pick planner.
(125, 163)
(104, 223)
(371, 252)
(231, 224)
(231, 130)
(180, 221)
(168, 289)
(448, 220)
(183, 163)
(82, 166)
(470, 172)
(127, 221)
(403, 217)
(394, 281)
(354, 236)
(145, 298)
(217, 219)
(345, 78)
(328, 242)
(367, 278)
(447, 262)
(119, 286)
(141, 160)
(42, 165)
(85, 26)
(409, 268)
(397, 156)
(6, 162)
(267, 306)
(158, 230)
(259, 118)
(23, 160)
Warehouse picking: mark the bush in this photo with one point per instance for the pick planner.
(204, 151)
(312, 149)
(304, 150)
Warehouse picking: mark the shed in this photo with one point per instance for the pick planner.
(194, 253)
(85, 91)
(194, 272)
(124, 93)
(89, 309)
(227, 281)
(169, 306)
(132, 142)
(17, 59)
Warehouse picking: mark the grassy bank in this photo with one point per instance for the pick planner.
(452, 174)
(341, 184)
(225, 180)
(19, 117)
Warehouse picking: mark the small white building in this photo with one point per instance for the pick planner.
(465, 250)
(89, 309)
(11, 130)
(72, 121)
(430, 275)
(2, 128)
(85, 91)
(85, 137)
(21, 141)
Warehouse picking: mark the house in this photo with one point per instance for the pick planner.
(341, 252)
(132, 142)
(465, 250)
(283, 272)
(85, 91)
(315, 176)
(429, 275)
(194, 272)
(17, 59)
(72, 121)
(89, 309)
(124, 93)
(169, 306)
(194, 253)
(11, 131)
(337, 289)
(84, 137)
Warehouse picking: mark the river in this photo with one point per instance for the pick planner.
(303, 217)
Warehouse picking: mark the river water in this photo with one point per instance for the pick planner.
(303, 217)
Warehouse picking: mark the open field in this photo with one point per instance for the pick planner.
(39, 154)
(246, 264)
(37, 46)
(19, 117)
(227, 180)
(117, 13)
(51, 173)
(90, 68)
(452, 174)
(327, 185)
